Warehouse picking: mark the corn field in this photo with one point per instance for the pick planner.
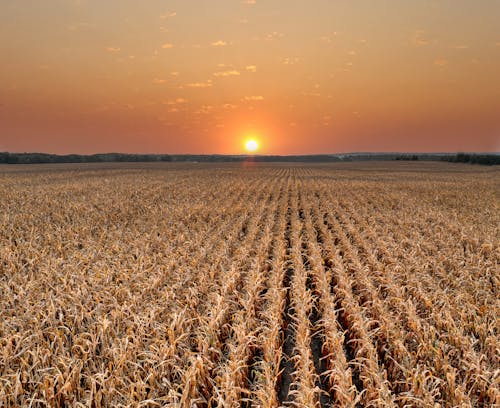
(258, 285)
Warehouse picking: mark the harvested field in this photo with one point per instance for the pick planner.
(216, 285)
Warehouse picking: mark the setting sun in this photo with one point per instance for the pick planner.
(251, 145)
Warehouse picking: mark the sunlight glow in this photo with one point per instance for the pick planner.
(251, 145)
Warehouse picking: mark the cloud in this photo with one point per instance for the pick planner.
(419, 39)
(328, 38)
(290, 60)
(274, 35)
(441, 62)
(177, 101)
(229, 106)
(168, 15)
(167, 46)
(227, 73)
(253, 98)
(461, 47)
(250, 2)
(315, 94)
(251, 68)
(204, 109)
(113, 50)
(206, 84)
(159, 81)
(77, 26)
(219, 43)
(174, 73)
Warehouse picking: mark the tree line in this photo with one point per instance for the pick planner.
(33, 158)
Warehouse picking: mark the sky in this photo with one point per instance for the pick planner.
(205, 76)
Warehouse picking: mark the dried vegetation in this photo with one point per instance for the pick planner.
(353, 285)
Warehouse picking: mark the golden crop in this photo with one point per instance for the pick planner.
(217, 285)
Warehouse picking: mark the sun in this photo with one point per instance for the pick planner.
(251, 145)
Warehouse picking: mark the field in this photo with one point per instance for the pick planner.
(217, 285)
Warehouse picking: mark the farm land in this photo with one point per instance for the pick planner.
(250, 285)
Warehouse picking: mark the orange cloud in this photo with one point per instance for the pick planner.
(227, 73)
(253, 98)
(168, 15)
(274, 35)
(177, 101)
(218, 43)
(113, 49)
(206, 84)
(290, 60)
(167, 46)
(441, 62)
(419, 39)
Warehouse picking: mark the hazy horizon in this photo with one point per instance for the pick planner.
(178, 77)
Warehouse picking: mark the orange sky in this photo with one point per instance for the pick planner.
(199, 76)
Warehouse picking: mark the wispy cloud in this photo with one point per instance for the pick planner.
(232, 72)
(113, 50)
(328, 38)
(177, 101)
(167, 46)
(251, 68)
(441, 62)
(78, 26)
(274, 35)
(461, 47)
(253, 98)
(315, 94)
(218, 43)
(250, 2)
(168, 15)
(206, 84)
(290, 60)
(159, 81)
(419, 39)
(204, 109)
